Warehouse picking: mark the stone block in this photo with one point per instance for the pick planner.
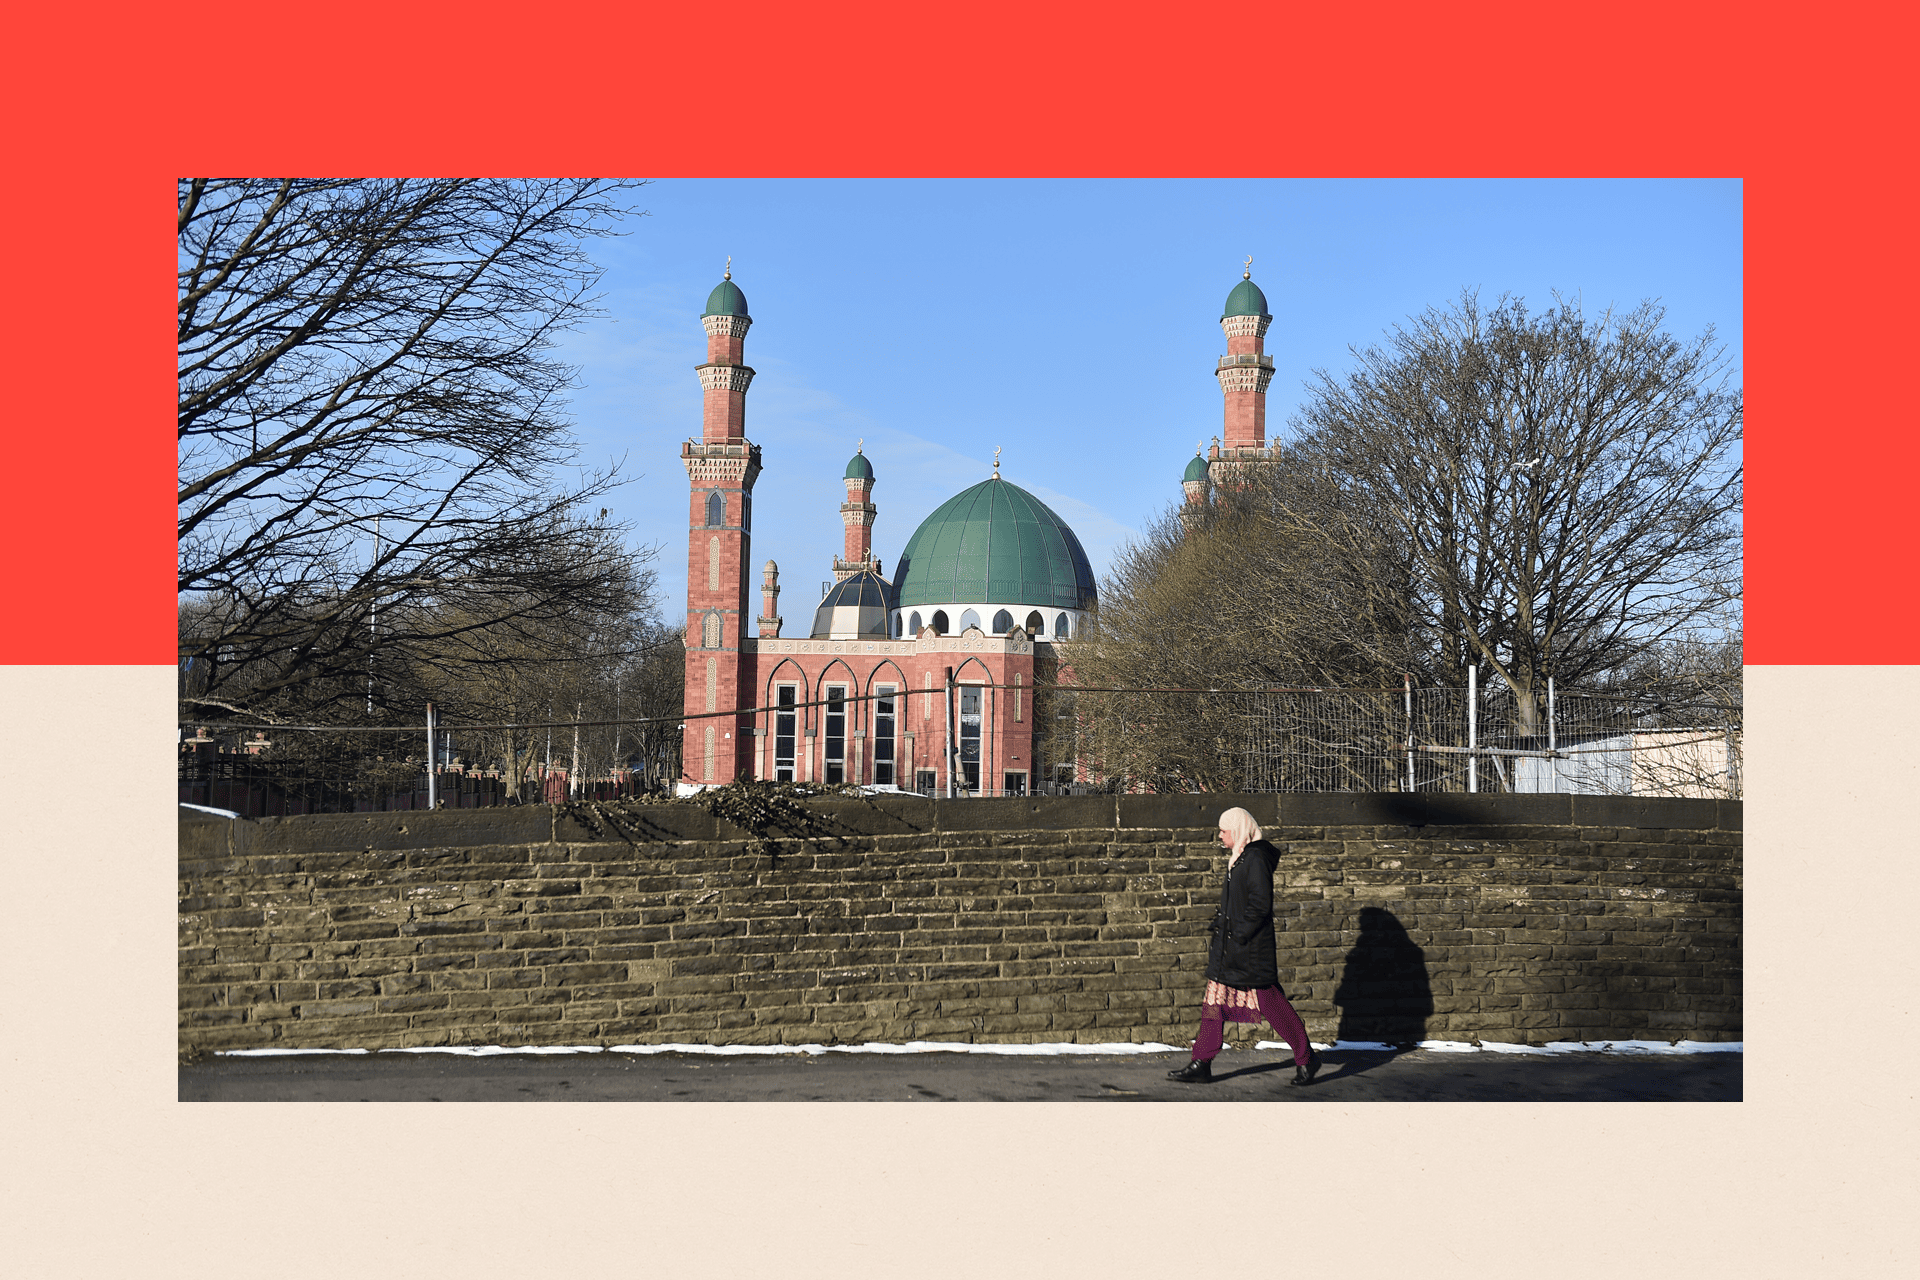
(1021, 813)
(1646, 812)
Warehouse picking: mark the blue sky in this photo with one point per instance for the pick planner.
(1072, 323)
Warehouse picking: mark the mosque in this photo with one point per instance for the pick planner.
(922, 682)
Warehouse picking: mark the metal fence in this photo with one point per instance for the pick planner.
(281, 772)
(1646, 742)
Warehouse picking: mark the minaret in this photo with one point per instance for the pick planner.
(721, 468)
(1244, 373)
(857, 514)
(770, 618)
(1197, 486)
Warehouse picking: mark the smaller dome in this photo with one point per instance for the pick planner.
(859, 468)
(854, 608)
(726, 300)
(1196, 470)
(1245, 300)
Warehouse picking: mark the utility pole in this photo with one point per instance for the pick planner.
(1473, 727)
(952, 750)
(373, 614)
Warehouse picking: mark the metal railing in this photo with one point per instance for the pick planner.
(1647, 743)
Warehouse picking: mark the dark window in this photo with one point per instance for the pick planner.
(716, 510)
(783, 734)
(836, 735)
(1002, 623)
(1060, 629)
(970, 736)
(939, 622)
(1036, 625)
(896, 626)
(925, 780)
(1016, 784)
(883, 735)
(913, 624)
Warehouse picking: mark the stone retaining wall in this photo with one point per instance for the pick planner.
(1505, 918)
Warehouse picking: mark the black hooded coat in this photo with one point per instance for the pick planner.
(1242, 953)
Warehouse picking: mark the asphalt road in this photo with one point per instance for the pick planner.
(1239, 1076)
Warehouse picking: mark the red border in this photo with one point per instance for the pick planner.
(105, 116)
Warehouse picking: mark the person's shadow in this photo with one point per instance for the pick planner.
(1384, 995)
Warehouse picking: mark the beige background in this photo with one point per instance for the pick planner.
(109, 1176)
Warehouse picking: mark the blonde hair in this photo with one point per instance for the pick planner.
(1239, 824)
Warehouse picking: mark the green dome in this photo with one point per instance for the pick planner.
(726, 300)
(859, 468)
(1196, 470)
(1245, 300)
(994, 544)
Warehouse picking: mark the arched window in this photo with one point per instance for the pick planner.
(969, 619)
(897, 623)
(913, 623)
(1036, 625)
(1061, 630)
(939, 622)
(716, 509)
(1002, 623)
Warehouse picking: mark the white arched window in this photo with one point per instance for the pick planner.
(1002, 623)
(913, 624)
(939, 622)
(1060, 628)
(1036, 625)
(969, 619)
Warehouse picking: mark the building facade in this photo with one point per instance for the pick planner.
(924, 681)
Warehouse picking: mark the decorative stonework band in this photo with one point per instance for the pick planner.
(1243, 378)
(724, 377)
(726, 326)
(732, 464)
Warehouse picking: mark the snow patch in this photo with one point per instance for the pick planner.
(1037, 1050)
(912, 1046)
(489, 1050)
(1543, 1050)
(276, 1053)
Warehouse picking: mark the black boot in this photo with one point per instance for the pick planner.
(1303, 1071)
(1193, 1073)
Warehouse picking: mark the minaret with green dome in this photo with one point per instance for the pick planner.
(721, 468)
(1246, 369)
(857, 513)
(1197, 485)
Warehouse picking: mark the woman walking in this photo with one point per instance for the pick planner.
(1243, 981)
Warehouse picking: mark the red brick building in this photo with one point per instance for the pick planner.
(919, 682)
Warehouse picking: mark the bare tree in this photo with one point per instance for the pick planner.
(1566, 488)
(1540, 496)
(1284, 581)
(372, 430)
